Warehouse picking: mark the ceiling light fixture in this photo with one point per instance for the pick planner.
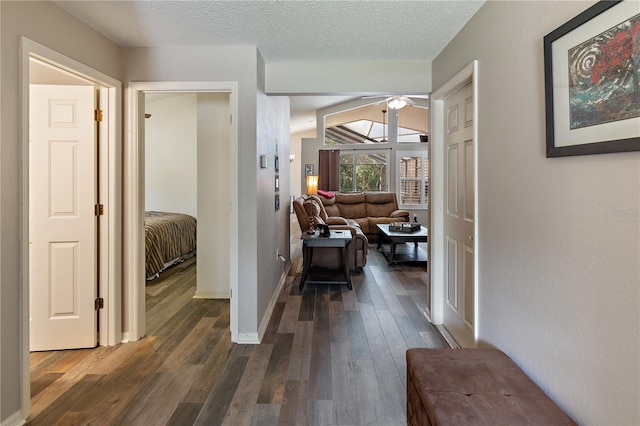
(397, 102)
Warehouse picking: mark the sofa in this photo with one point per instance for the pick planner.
(310, 213)
(366, 209)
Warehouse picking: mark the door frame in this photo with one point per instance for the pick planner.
(468, 74)
(134, 197)
(110, 229)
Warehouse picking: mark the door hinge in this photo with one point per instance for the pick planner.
(99, 209)
(99, 303)
(97, 114)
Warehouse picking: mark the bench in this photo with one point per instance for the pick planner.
(474, 387)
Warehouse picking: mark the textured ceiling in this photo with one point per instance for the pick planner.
(306, 30)
(284, 30)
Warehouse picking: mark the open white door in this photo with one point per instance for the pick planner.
(459, 193)
(62, 221)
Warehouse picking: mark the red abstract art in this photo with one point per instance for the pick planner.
(604, 76)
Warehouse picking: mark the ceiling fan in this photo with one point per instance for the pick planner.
(396, 101)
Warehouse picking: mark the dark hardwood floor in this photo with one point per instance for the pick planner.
(329, 356)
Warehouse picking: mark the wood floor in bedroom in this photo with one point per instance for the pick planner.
(329, 356)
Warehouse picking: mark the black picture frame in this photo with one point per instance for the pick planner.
(595, 126)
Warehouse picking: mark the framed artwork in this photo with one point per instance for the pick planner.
(592, 82)
(308, 169)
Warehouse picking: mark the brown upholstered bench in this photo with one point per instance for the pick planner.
(474, 387)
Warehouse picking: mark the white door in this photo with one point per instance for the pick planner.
(459, 298)
(62, 221)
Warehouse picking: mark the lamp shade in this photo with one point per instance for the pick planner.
(312, 184)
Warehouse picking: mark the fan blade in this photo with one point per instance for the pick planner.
(408, 100)
(377, 96)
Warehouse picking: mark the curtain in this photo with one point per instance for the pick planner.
(329, 169)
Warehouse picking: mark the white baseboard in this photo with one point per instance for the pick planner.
(447, 336)
(211, 295)
(272, 303)
(14, 420)
(248, 339)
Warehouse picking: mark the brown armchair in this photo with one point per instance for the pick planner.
(309, 210)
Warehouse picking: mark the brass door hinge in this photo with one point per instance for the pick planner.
(99, 209)
(99, 303)
(97, 114)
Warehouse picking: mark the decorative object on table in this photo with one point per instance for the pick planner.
(324, 229)
(308, 169)
(404, 227)
(592, 82)
(312, 184)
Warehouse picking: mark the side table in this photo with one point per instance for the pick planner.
(337, 239)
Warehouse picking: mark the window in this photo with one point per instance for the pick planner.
(413, 183)
(363, 171)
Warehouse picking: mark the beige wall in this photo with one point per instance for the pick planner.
(558, 272)
(171, 152)
(214, 193)
(40, 22)
(298, 179)
(203, 64)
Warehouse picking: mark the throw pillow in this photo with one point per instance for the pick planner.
(326, 194)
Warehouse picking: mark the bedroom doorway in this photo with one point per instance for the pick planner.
(186, 175)
(41, 65)
(214, 143)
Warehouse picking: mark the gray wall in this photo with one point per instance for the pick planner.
(558, 273)
(41, 22)
(220, 64)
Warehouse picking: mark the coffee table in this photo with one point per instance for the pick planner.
(395, 238)
(338, 239)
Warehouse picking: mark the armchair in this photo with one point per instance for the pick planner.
(309, 211)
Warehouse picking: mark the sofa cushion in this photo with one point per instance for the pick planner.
(381, 204)
(330, 206)
(351, 206)
(362, 223)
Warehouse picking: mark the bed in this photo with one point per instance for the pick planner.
(168, 238)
